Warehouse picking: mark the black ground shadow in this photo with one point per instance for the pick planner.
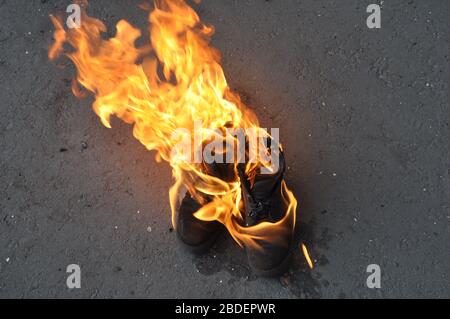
(226, 255)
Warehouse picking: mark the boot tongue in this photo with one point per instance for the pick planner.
(263, 187)
(265, 184)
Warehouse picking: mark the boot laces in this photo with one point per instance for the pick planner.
(259, 210)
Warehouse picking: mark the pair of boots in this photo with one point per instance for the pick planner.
(262, 202)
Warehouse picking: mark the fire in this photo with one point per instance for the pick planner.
(306, 254)
(169, 83)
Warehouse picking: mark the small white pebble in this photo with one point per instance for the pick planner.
(323, 103)
(220, 281)
(138, 211)
(115, 227)
(12, 216)
(149, 229)
(7, 259)
(424, 189)
(26, 52)
(355, 219)
(334, 174)
(320, 173)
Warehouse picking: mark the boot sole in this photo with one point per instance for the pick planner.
(201, 248)
(276, 271)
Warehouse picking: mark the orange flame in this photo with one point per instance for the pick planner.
(306, 254)
(168, 84)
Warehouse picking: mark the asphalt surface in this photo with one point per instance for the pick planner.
(364, 118)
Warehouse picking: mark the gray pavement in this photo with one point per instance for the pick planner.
(364, 118)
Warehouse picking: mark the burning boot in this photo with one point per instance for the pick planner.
(264, 202)
(196, 235)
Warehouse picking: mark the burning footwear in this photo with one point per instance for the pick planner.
(196, 235)
(264, 202)
(126, 82)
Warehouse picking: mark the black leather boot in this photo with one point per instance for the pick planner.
(197, 235)
(263, 201)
